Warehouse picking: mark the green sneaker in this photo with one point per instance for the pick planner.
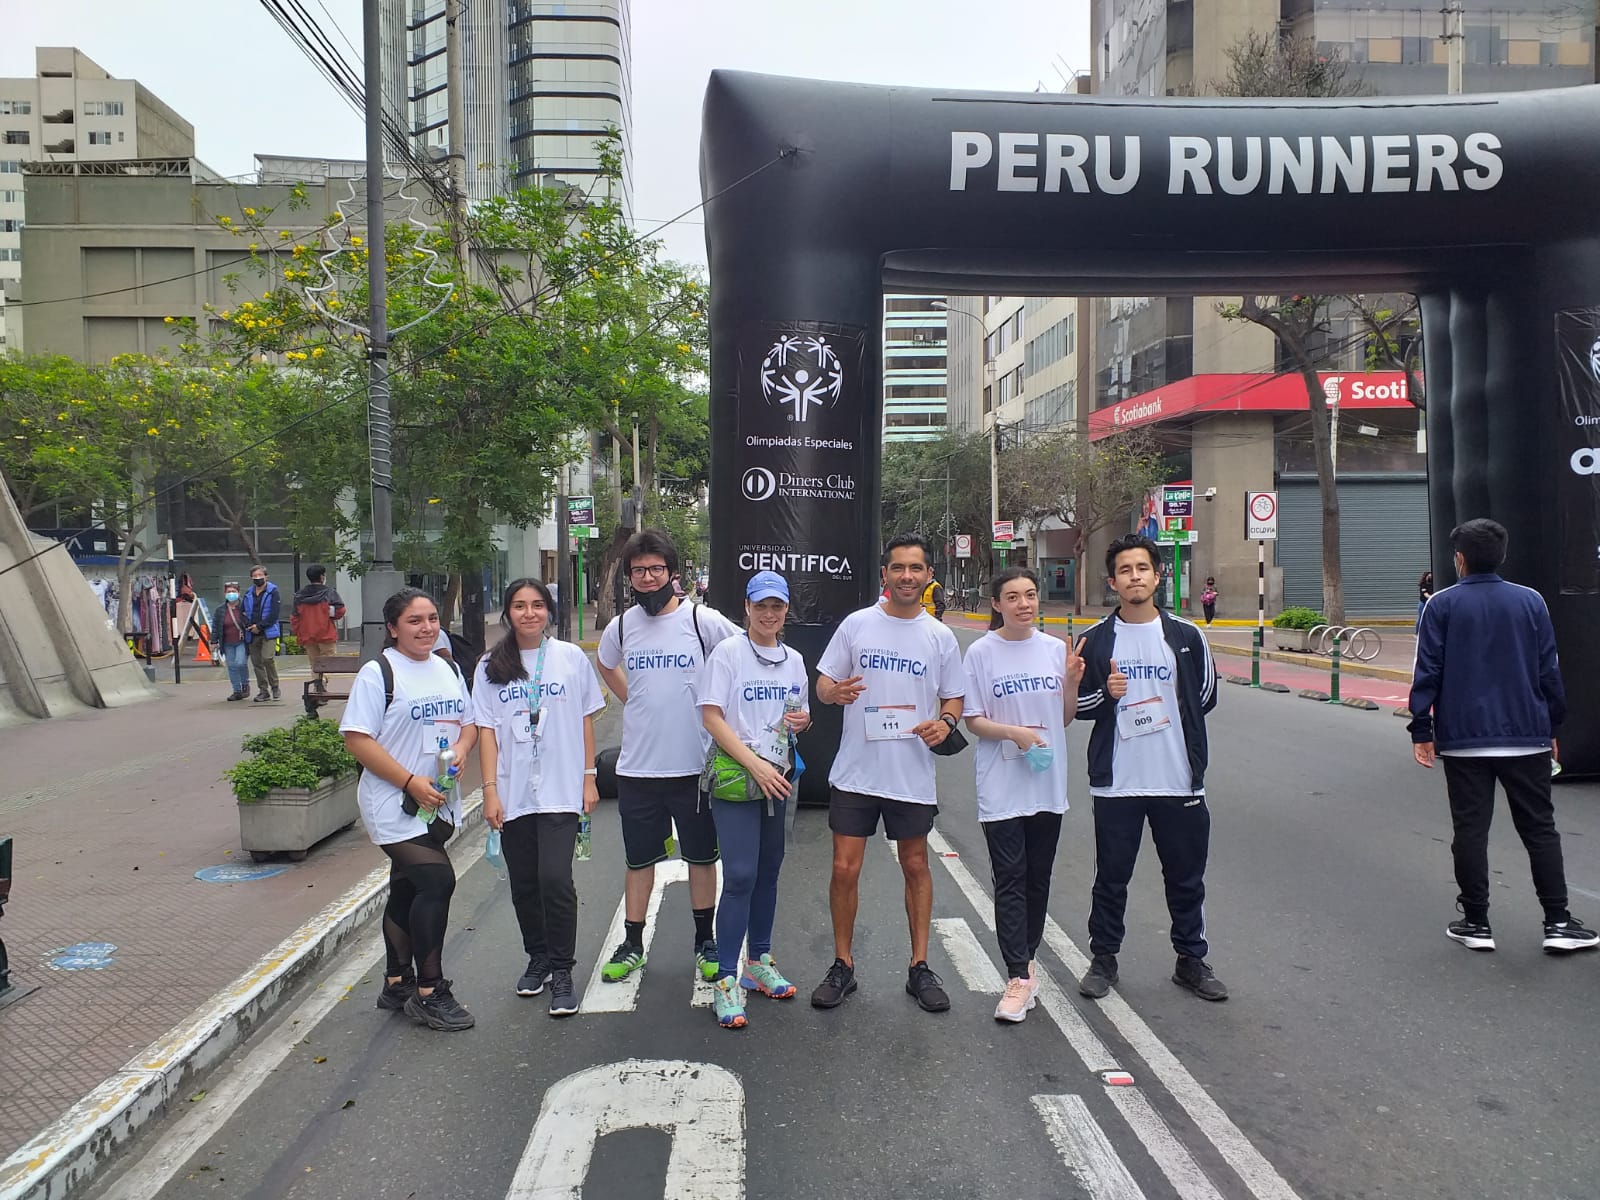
(624, 961)
(763, 976)
(705, 959)
(728, 1003)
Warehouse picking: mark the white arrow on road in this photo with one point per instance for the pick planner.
(699, 1105)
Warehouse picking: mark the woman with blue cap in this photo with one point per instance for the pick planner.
(753, 700)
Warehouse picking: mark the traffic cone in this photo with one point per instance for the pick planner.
(202, 652)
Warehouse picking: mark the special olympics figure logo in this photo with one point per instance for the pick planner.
(801, 373)
(1594, 360)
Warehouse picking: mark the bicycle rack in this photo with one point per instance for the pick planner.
(1355, 641)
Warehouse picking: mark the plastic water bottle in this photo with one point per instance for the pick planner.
(449, 769)
(582, 850)
(493, 855)
(795, 701)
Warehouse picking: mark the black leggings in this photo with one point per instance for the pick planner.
(421, 881)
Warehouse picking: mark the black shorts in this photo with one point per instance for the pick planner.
(855, 814)
(649, 808)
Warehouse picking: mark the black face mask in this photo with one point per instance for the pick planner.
(654, 602)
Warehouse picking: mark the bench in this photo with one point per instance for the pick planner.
(331, 664)
(5, 894)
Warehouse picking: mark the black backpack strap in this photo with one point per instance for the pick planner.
(694, 615)
(385, 666)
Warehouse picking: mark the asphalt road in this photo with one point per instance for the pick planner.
(1361, 1055)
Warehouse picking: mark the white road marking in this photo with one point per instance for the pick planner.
(700, 1105)
(971, 963)
(701, 993)
(601, 996)
(146, 1176)
(1179, 1166)
(1085, 1149)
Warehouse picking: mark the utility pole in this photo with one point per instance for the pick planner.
(1455, 40)
(994, 484)
(616, 456)
(381, 580)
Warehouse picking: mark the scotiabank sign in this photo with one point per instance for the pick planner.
(1249, 393)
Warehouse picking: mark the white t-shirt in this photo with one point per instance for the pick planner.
(662, 737)
(750, 686)
(1018, 683)
(543, 775)
(1154, 763)
(907, 668)
(430, 703)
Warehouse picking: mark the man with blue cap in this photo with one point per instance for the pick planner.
(753, 701)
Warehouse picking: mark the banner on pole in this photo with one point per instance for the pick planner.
(1578, 504)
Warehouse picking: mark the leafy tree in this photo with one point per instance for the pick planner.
(916, 497)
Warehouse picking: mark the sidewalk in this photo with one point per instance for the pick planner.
(113, 812)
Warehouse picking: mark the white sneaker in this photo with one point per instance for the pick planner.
(1016, 1001)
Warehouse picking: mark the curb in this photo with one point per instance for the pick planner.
(66, 1154)
(1393, 674)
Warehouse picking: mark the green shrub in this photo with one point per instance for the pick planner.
(301, 755)
(1298, 618)
(289, 644)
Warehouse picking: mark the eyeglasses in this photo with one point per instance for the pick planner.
(648, 572)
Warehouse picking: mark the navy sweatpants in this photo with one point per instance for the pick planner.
(1181, 828)
(752, 855)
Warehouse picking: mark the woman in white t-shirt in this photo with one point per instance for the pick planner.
(397, 726)
(1022, 690)
(534, 702)
(753, 699)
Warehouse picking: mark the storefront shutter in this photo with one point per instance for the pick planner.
(1383, 526)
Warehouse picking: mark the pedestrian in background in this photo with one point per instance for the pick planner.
(230, 630)
(1424, 591)
(312, 620)
(1208, 599)
(405, 708)
(1148, 683)
(262, 611)
(1487, 697)
(753, 702)
(1022, 690)
(534, 704)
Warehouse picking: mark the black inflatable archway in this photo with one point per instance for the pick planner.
(1486, 206)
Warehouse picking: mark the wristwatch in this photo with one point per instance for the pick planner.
(948, 720)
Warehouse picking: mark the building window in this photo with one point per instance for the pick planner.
(10, 195)
(15, 108)
(11, 254)
(10, 225)
(99, 137)
(102, 108)
(10, 166)
(18, 137)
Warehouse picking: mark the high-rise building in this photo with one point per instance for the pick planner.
(541, 82)
(914, 375)
(71, 110)
(1218, 390)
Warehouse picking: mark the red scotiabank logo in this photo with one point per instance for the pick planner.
(1250, 393)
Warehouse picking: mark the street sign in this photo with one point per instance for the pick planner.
(588, 532)
(963, 545)
(999, 545)
(1003, 531)
(580, 510)
(1177, 501)
(1177, 523)
(1261, 516)
(1177, 537)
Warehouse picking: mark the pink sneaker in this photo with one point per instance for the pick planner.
(1016, 1001)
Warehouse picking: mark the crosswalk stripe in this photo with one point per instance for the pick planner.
(1176, 1163)
(601, 996)
(971, 963)
(1085, 1149)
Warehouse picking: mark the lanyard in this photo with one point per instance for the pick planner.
(538, 680)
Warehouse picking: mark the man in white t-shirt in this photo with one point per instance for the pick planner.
(650, 657)
(898, 673)
(1148, 683)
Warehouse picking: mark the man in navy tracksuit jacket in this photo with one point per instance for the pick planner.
(1487, 698)
(1148, 683)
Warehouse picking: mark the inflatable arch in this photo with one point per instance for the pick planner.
(822, 196)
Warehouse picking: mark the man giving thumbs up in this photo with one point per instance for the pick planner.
(1148, 682)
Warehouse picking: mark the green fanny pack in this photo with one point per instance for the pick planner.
(725, 779)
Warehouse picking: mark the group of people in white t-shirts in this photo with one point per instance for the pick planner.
(708, 765)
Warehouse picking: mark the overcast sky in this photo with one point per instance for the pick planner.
(234, 74)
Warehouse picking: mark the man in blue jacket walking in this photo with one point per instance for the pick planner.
(262, 609)
(1486, 696)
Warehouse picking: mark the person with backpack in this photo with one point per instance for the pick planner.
(312, 620)
(1208, 599)
(407, 708)
(263, 607)
(650, 657)
(753, 703)
(534, 703)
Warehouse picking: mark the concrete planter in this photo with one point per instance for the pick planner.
(292, 820)
(1291, 639)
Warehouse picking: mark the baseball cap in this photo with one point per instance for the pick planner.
(766, 584)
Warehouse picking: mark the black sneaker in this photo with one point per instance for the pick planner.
(535, 977)
(1100, 978)
(1196, 975)
(276, 694)
(563, 999)
(927, 988)
(394, 995)
(1476, 935)
(1563, 937)
(262, 698)
(838, 983)
(439, 1010)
